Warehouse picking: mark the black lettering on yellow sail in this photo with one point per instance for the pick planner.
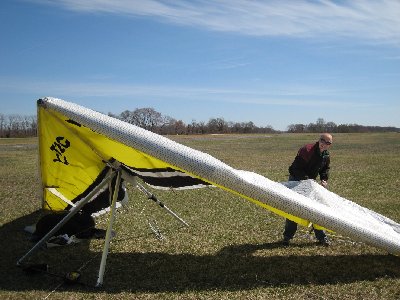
(59, 147)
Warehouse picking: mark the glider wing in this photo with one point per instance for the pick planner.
(76, 144)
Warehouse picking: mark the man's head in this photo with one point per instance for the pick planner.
(325, 141)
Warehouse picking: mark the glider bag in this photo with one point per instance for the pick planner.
(81, 225)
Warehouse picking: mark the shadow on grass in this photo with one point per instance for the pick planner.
(236, 267)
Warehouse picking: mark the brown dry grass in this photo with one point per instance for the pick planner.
(230, 250)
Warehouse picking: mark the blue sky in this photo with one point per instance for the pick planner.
(271, 62)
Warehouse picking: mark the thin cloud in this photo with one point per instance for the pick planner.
(375, 21)
(225, 64)
(293, 96)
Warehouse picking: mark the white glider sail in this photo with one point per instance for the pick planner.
(77, 146)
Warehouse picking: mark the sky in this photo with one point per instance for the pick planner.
(274, 63)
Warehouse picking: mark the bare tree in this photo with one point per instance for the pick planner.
(296, 128)
(179, 127)
(14, 125)
(2, 125)
(320, 125)
(127, 116)
(330, 127)
(147, 118)
(217, 125)
(197, 127)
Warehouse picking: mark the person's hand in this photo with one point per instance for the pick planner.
(324, 183)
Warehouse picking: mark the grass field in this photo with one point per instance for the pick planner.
(230, 250)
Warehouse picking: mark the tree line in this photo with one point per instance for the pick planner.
(322, 126)
(17, 126)
(150, 119)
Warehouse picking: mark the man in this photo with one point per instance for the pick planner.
(311, 160)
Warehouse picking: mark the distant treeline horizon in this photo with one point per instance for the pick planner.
(26, 126)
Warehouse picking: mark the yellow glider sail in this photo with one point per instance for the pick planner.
(73, 160)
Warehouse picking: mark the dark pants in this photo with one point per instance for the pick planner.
(291, 227)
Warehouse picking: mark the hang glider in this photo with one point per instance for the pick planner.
(79, 147)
